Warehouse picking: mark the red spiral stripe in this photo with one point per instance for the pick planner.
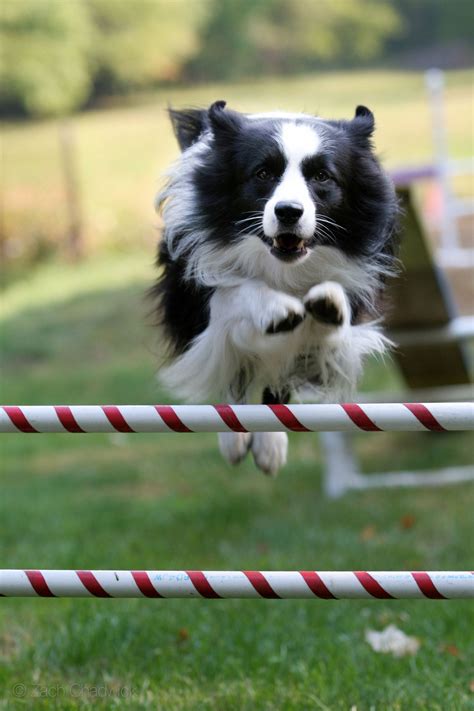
(424, 416)
(371, 585)
(144, 584)
(18, 419)
(261, 584)
(91, 583)
(116, 419)
(67, 419)
(317, 585)
(287, 418)
(171, 419)
(359, 417)
(230, 418)
(201, 583)
(38, 583)
(427, 586)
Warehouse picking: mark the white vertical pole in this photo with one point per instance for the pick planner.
(341, 472)
(434, 79)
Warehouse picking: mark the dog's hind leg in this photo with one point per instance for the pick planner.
(270, 449)
(234, 446)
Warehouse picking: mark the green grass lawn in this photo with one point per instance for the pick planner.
(78, 335)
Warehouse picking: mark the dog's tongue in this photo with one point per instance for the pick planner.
(289, 242)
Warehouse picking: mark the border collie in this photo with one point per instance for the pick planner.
(279, 231)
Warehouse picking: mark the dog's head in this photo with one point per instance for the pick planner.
(293, 180)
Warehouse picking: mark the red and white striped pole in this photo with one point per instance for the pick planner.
(237, 584)
(372, 417)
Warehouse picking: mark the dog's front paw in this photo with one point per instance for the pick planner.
(327, 303)
(269, 450)
(234, 445)
(284, 314)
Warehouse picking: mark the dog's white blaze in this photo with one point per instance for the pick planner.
(298, 141)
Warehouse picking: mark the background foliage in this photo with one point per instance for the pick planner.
(45, 60)
(274, 36)
(59, 56)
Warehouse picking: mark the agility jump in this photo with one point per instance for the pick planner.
(371, 417)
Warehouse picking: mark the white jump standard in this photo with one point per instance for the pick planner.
(304, 584)
(371, 417)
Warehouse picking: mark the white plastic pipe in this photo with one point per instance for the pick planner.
(369, 417)
(237, 584)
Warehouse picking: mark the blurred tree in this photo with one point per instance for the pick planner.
(226, 50)
(244, 36)
(433, 22)
(44, 68)
(143, 42)
(308, 32)
(55, 52)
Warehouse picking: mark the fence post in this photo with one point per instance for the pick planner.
(68, 151)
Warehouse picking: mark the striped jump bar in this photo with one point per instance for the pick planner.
(372, 417)
(302, 584)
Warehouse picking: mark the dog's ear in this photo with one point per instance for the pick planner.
(224, 123)
(363, 124)
(188, 125)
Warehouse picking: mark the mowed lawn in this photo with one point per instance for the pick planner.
(79, 335)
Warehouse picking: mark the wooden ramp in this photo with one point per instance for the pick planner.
(420, 300)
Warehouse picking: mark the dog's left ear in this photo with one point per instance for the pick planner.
(224, 123)
(363, 123)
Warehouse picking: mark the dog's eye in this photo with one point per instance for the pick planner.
(322, 176)
(263, 174)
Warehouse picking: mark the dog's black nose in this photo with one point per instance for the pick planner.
(288, 212)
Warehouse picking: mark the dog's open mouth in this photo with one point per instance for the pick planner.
(288, 247)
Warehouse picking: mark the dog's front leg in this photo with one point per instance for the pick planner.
(257, 314)
(328, 304)
(341, 346)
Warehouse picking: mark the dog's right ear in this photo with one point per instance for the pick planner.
(188, 125)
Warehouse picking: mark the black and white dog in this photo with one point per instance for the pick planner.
(279, 232)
